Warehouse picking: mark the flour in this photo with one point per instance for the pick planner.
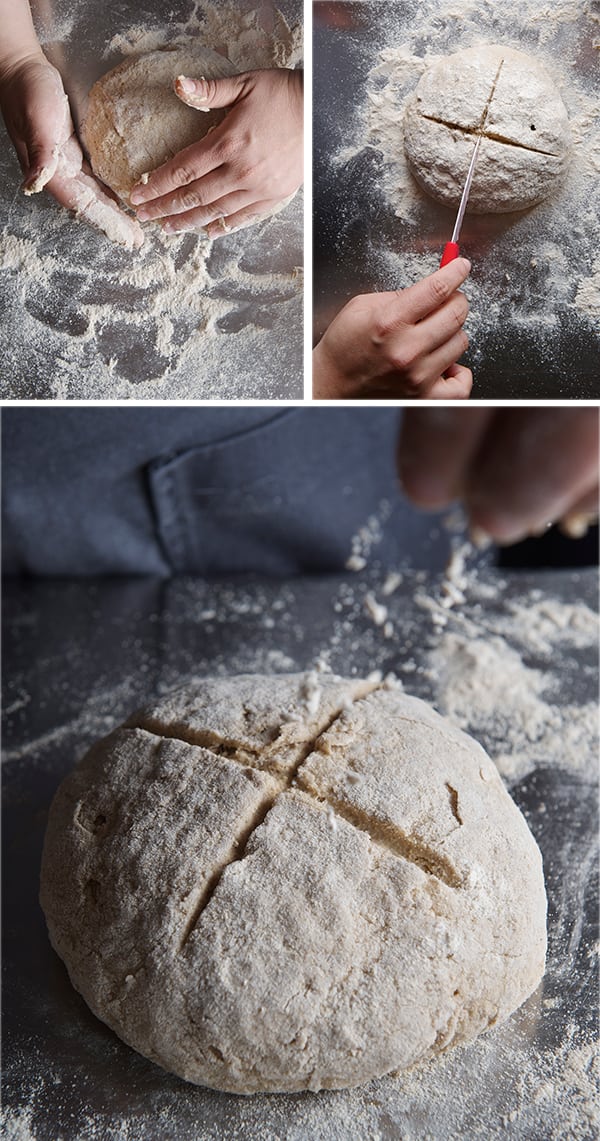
(183, 317)
(367, 537)
(533, 642)
(556, 241)
(587, 298)
(250, 39)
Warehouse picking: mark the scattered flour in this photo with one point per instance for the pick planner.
(535, 272)
(501, 665)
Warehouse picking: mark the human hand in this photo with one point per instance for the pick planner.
(36, 112)
(240, 171)
(38, 119)
(517, 469)
(402, 344)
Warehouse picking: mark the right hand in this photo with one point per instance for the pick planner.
(38, 119)
(403, 344)
(517, 470)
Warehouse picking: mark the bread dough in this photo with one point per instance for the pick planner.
(292, 882)
(135, 121)
(526, 137)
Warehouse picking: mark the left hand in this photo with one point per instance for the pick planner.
(240, 171)
(38, 118)
(516, 469)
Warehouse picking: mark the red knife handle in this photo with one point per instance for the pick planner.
(451, 251)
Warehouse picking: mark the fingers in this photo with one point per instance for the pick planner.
(206, 94)
(455, 384)
(241, 219)
(437, 329)
(80, 192)
(581, 515)
(416, 342)
(437, 446)
(188, 166)
(42, 165)
(216, 212)
(419, 300)
(195, 197)
(435, 364)
(22, 155)
(517, 469)
(534, 466)
(46, 124)
(587, 504)
(197, 160)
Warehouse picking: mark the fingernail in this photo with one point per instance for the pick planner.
(36, 180)
(143, 215)
(192, 87)
(479, 538)
(137, 195)
(175, 227)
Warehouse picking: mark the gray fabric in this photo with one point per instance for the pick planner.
(201, 490)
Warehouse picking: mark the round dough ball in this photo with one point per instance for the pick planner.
(526, 136)
(292, 882)
(135, 121)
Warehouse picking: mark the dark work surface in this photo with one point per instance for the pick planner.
(359, 243)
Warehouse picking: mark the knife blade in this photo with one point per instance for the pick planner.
(452, 249)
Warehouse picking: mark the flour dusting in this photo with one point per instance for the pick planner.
(182, 317)
(514, 662)
(536, 271)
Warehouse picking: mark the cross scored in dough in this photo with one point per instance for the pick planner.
(249, 875)
(525, 141)
(388, 837)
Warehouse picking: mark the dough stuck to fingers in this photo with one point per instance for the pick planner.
(292, 882)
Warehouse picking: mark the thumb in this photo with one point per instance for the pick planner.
(43, 161)
(206, 94)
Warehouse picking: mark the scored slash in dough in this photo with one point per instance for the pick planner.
(282, 883)
(135, 121)
(526, 137)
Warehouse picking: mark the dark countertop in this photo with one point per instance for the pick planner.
(528, 339)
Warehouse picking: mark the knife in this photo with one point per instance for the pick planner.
(451, 249)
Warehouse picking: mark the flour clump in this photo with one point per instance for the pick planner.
(262, 892)
(526, 137)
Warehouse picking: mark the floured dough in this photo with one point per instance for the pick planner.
(135, 121)
(525, 148)
(292, 882)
